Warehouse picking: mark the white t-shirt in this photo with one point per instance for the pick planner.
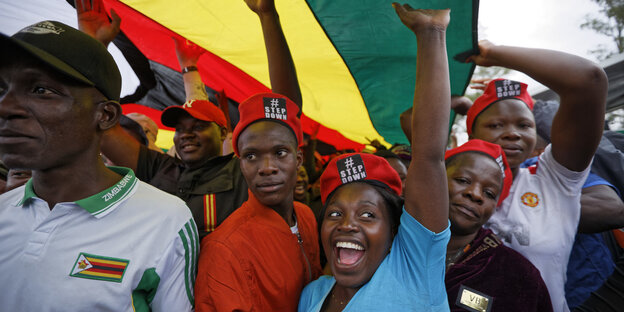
(539, 219)
(126, 248)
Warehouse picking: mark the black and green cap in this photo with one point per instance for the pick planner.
(71, 52)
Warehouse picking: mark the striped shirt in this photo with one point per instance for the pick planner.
(130, 247)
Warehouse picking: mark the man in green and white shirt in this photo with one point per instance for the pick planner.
(80, 236)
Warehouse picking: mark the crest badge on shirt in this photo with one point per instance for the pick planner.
(99, 268)
(530, 199)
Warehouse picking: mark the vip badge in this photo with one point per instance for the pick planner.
(473, 300)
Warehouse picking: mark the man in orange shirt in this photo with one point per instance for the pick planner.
(264, 253)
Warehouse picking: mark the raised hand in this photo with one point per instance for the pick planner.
(479, 84)
(483, 58)
(460, 104)
(93, 21)
(187, 52)
(420, 20)
(261, 6)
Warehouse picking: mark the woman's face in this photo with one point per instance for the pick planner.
(356, 233)
(510, 124)
(474, 183)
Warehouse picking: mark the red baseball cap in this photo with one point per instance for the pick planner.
(492, 150)
(271, 107)
(358, 167)
(199, 109)
(497, 90)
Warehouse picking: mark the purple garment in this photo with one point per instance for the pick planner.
(499, 272)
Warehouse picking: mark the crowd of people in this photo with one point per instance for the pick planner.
(95, 217)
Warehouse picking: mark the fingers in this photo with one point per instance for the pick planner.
(400, 10)
(79, 6)
(97, 6)
(86, 4)
(116, 19)
(472, 58)
(481, 80)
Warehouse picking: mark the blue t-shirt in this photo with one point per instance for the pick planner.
(410, 278)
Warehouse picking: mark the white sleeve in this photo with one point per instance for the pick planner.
(568, 181)
(177, 271)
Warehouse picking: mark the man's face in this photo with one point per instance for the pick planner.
(474, 185)
(301, 187)
(197, 140)
(269, 162)
(46, 120)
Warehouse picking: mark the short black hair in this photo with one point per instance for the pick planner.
(387, 154)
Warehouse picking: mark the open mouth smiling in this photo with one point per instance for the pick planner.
(348, 253)
(189, 147)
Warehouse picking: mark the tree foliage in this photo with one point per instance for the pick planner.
(610, 24)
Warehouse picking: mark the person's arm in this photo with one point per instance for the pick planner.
(116, 144)
(173, 275)
(309, 161)
(120, 147)
(581, 85)
(426, 192)
(460, 104)
(601, 209)
(93, 21)
(188, 55)
(281, 66)
(222, 102)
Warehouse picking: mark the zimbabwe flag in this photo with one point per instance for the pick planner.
(99, 268)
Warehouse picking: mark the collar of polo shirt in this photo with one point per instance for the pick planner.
(101, 203)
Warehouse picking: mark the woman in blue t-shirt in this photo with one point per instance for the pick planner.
(385, 258)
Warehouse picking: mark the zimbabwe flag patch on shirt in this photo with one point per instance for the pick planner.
(99, 268)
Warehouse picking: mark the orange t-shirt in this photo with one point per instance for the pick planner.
(253, 262)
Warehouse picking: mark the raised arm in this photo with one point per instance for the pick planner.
(120, 147)
(188, 55)
(581, 85)
(116, 144)
(93, 21)
(281, 66)
(426, 192)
